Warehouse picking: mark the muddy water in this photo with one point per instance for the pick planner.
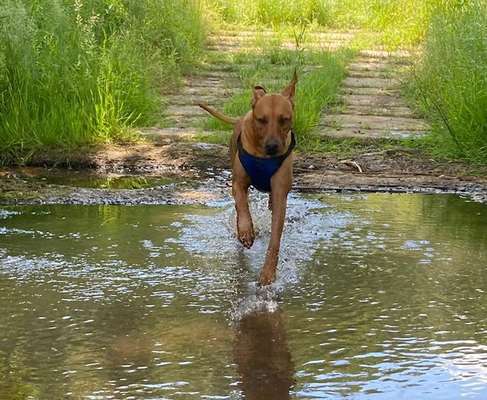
(378, 297)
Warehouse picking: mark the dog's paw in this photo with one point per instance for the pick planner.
(267, 276)
(246, 237)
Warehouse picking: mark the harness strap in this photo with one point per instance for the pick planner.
(261, 169)
(280, 158)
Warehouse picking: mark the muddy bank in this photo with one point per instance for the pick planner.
(163, 157)
(197, 173)
(395, 171)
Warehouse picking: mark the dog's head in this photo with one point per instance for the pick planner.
(272, 117)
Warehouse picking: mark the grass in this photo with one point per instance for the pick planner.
(401, 22)
(450, 83)
(85, 71)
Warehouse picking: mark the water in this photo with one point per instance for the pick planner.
(83, 179)
(378, 297)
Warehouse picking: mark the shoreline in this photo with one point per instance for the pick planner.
(197, 173)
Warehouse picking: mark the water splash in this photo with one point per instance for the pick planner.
(309, 225)
(259, 300)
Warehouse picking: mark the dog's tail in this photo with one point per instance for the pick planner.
(218, 114)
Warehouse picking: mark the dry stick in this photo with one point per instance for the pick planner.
(352, 163)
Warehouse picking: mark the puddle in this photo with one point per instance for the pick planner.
(378, 296)
(83, 179)
(108, 182)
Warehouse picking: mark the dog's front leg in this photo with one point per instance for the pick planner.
(279, 203)
(245, 228)
(280, 187)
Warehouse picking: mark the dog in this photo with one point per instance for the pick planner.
(261, 150)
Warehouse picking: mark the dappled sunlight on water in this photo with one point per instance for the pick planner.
(377, 297)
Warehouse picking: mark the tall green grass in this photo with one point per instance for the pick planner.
(82, 71)
(450, 82)
(401, 22)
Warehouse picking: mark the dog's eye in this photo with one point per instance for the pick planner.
(262, 120)
(284, 120)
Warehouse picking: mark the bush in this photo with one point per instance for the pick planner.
(81, 71)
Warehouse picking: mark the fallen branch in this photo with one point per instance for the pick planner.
(353, 164)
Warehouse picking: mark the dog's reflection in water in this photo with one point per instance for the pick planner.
(262, 356)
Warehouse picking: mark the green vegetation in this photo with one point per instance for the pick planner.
(401, 22)
(82, 71)
(86, 71)
(450, 83)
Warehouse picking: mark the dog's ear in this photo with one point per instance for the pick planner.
(290, 90)
(257, 93)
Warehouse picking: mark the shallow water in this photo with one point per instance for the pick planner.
(84, 179)
(378, 297)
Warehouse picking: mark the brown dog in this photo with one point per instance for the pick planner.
(261, 155)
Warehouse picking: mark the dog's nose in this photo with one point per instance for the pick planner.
(271, 148)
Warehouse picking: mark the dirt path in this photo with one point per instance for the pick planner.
(370, 105)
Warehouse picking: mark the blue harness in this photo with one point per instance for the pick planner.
(261, 169)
